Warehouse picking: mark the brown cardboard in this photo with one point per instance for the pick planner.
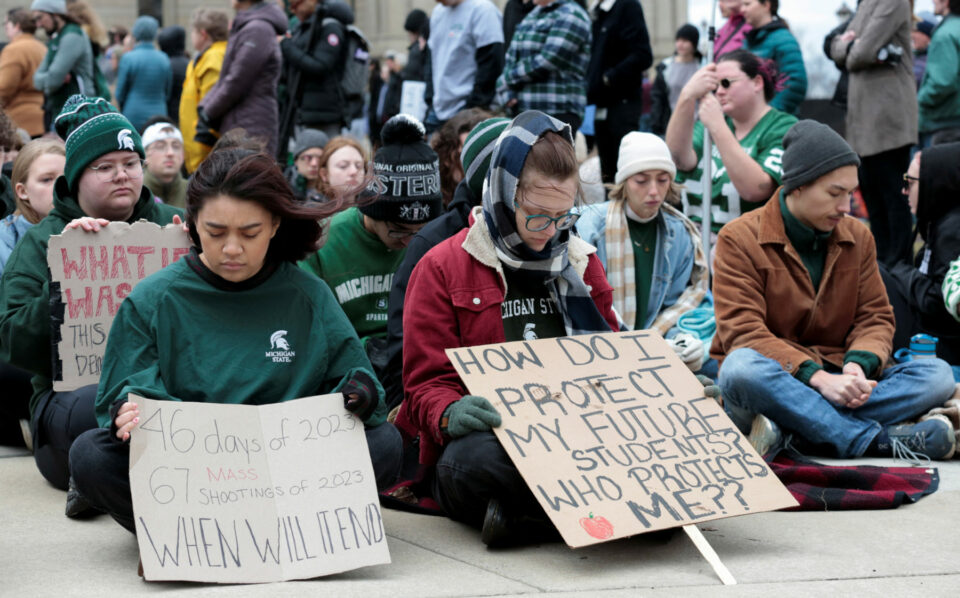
(614, 437)
(248, 494)
(96, 271)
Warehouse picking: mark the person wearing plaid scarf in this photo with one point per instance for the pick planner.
(652, 253)
(518, 272)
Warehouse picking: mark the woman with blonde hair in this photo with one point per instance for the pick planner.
(37, 166)
(651, 252)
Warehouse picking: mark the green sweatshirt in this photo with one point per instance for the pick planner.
(185, 334)
(359, 269)
(25, 288)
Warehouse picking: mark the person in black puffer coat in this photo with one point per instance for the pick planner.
(933, 186)
(313, 58)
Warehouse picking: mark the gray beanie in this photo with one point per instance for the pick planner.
(309, 138)
(145, 28)
(811, 150)
(56, 7)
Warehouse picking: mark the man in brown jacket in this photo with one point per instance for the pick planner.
(804, 327)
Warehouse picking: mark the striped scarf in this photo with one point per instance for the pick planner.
(580, 313)
(622, 277)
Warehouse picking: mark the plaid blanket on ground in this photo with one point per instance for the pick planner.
(820, 487)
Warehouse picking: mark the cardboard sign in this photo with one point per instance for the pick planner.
(243, 493)
(95, 272)
(614, 437)
(411, 99)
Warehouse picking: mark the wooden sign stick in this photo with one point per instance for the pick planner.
(708, 553)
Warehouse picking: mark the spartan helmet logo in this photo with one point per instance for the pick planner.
(278, 342)
(125, 141)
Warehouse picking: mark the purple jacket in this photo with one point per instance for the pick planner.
(246, 93)
(730, 36)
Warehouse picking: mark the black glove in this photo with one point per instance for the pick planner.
(204, 134)
(360, 395)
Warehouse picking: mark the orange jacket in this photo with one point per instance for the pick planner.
(765, 300)
(22, 102)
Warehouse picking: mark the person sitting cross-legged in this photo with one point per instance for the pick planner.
(804, 327)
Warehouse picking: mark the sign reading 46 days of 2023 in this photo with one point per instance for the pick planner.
(244, 493)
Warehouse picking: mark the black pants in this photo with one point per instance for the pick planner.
(59, 418)
(571, 119)
(622, 117)
(472, 470)
(881, 183)
(910, 319)
(100, 466)
(14, 404)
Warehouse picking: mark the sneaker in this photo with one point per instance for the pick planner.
(77, 506)
(933, 438)
(765, 435)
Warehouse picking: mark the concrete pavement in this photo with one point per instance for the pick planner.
(910, 551)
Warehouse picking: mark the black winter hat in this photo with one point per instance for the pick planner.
(689, 33)
(415, 21)
(811, 150)
(406, 177)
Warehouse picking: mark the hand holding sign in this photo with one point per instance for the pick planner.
(614, 436)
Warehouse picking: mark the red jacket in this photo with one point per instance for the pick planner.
(453, 300)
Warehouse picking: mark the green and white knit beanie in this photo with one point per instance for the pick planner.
(92, 127)
(477, 149)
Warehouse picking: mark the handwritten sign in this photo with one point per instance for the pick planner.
(243, 493)
(95, 272)
(614, 437)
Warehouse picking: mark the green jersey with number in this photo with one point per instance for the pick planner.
(764, 144)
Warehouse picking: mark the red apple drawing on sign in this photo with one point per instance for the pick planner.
(598, 527)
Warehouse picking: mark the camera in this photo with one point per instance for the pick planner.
(890, 54)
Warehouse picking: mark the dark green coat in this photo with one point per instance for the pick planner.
(25, 288)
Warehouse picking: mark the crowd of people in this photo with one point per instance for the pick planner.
(377, 239)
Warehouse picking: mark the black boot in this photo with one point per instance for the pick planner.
(502, 529)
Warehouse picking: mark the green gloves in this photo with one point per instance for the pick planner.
(710, 389)
(469, 414)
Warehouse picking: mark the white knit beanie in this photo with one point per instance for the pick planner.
(640, 152)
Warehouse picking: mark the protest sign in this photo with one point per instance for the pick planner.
(411, 99)
(614, 437)
(246, 494)
(94, 273)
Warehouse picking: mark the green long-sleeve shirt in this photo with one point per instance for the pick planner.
(185, 334)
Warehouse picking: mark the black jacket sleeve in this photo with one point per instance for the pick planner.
(660, 100)
(489, 66)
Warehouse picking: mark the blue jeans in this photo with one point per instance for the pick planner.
(752, 383)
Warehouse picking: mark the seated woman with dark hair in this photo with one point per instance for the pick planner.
(238, 287)
(519, 248)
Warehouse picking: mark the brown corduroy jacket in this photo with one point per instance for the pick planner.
(765, 300)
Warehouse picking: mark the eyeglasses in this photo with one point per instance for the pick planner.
(164, 146)
(538, 222)
(108, 171)
(909, 180)
(726, 82)
(400, 234)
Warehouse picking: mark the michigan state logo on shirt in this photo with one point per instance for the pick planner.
(280, 351)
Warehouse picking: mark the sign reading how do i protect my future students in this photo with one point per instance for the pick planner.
(95, 272)
(614, 437)
(248, 494)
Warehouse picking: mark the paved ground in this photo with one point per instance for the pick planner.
(911, 551)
